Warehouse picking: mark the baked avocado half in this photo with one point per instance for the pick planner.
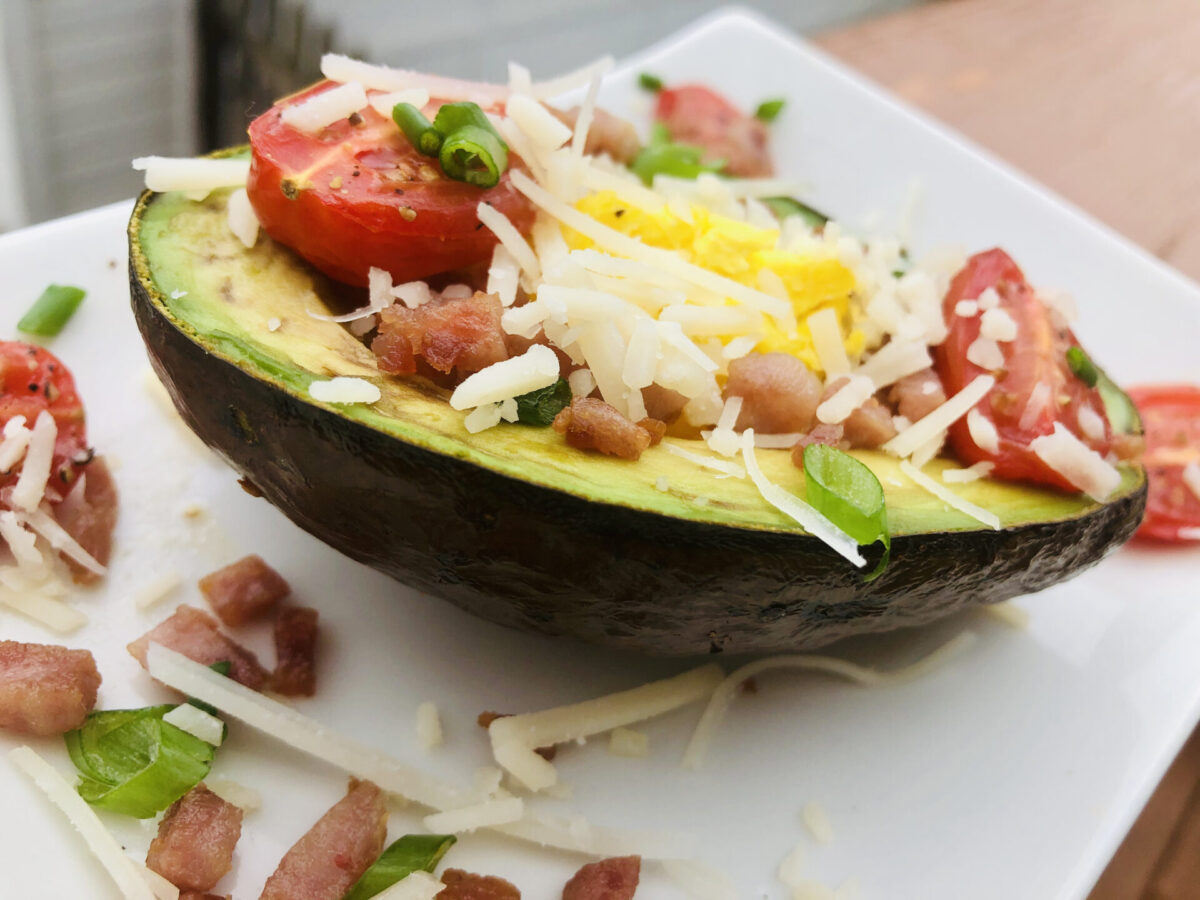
(516, 527)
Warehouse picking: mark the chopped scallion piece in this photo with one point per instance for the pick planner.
(847, 493)
(418, 129)
(51, 311)
(132, 762)
(1082, 366)
(411, 853)
(769, 109)
(474, 155)
(649, 82)
(541, 406)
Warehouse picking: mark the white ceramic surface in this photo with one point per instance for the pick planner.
(1012, 772)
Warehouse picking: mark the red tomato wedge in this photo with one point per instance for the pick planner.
(32, 380)
(1171, 418)
(1036, 357)
(357, 195)
(699, 116)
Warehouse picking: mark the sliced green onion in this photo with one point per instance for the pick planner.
(51, 311)
(1082, 367)
(474, 155)
(676, 160)
(783, 207)
(411, 853)
(418, 129)
(769, 109)
(649, 82)
(847, 493)
(1123, 416)
(132, 762)
(541, 406)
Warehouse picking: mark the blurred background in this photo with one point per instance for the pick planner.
(89, 85)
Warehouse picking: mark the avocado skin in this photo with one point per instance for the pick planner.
(537, 559)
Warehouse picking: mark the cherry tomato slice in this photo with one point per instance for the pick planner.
(1171, 419)
(358, 195)
(32, 380)
(1037, 356)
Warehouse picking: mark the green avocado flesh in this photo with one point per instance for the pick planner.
(518, 527)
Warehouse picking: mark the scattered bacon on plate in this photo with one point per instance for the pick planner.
(295, 672)
(89, 514)
(334, 853)
(609, 879)
(45, 689)
(462, 885)
(244, 590)
(196, 837)
(195, 634)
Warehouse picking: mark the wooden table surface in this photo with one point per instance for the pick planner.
(1099, 100)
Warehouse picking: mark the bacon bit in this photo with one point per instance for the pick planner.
(870, 425)
(591, 424)
(334, 853)
(45, 689)
(484, 719)
(750, 685)
(90, 518)
(196, 837)
(607, 134)
(615, 878)
(244, 590)
(394, 353)
(830, 435)
(460, 885)
(917, 395)
(195, 634)
(653, 427)
(295, 672)
(779, 394)
(462, 334)
(663, 403)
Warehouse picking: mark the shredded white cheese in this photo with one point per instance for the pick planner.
(791, 870)
(488, 814)
(196, 178)
(827, 341)
(123, 870)
(536, 368)
(627, 742)
(700, 879)
(322, 110)
(60, 539)
(45, 610)
(386, 102)
(543, 129)
(344, 389)
(795, 508)
(241, 796)
(197, 723)
(429, 726)
(724, 466)
(817, 821)
(950, 498)
(1191, 478)
(418, 885)
(35, 470)
(1036, 403)
(971, 473)
(241, 217)
(894, 361)
(997, 325)
(986, 354)
(728, 690)
(512, 239)
(941, 418)
(1077, 462)
(983, 432)
(846, 399)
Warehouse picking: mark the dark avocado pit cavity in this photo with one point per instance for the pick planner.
(515, 526)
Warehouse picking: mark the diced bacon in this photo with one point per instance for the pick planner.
(45, 689)
(486, 718)
(663, 403)
(697, 115)
(870, 425)
(295, 672)
(591, 424)
(607, 134)
(244, 590)
(779, 394)
(393, 353)
(830, 435)
(462, 885)
(334, 853)
(461, 334)
(90, 518)
(609, 879)
(195, 634)
(656, 428)
(915, 396)
(196, 837)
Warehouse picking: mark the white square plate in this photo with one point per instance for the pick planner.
(1011, 772)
